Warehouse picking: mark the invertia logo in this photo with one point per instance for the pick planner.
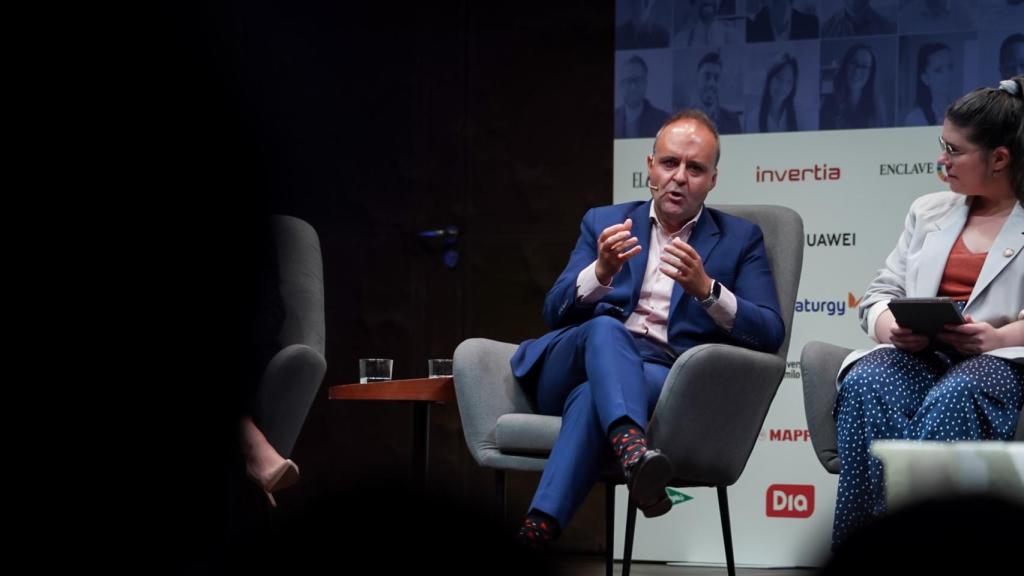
(789, 501)
(819, 172)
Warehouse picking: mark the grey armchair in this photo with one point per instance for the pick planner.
(819, 365)
(292, 377)
(707, 418)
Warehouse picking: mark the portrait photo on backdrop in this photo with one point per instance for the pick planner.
(857, 83)
(644, 90)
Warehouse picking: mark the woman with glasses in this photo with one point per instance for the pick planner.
(968, 382)
(853, 103)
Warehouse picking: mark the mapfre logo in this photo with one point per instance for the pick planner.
(789, 501)
(816, 173)
(788, 434)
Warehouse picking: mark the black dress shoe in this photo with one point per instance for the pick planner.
(659, 508)
(646, 481)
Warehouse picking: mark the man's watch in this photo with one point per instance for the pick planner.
(716, 291)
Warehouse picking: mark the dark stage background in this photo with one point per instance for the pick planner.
(373, 121)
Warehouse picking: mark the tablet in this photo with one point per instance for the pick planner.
(925, 315)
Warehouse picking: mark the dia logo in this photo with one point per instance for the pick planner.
(789, 500)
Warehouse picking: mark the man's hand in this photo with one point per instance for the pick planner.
(681, 263)
(615, 245)
(971, 337)
(888, 331)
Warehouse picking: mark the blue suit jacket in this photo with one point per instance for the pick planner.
(733, 253)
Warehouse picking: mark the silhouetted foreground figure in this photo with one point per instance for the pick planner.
(975, 534)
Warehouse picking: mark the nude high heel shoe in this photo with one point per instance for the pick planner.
(285, 475)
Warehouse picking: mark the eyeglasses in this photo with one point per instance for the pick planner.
(951, 151)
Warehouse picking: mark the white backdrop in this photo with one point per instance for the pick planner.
(852, 222)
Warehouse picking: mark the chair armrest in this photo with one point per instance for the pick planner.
(711, 410)
(819, 366)
(485, 389)
(287, 389)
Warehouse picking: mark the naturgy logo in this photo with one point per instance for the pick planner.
(827, 307)
(818, 173)
(789, 501)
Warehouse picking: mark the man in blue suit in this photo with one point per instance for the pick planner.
(646, 281)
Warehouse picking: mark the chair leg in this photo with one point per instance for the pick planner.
(627, 555)
(609, 527)
(500, 499)
(723, 511)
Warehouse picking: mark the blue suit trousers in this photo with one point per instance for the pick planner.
(594, 374)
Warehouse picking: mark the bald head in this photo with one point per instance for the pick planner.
(700, 118)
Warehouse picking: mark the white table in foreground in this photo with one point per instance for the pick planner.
(917, 470)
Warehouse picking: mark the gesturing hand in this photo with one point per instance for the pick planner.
(683, 264)
(615, 245)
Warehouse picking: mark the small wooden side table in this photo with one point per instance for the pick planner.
(421, 392)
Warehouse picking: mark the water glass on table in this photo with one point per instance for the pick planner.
(439, 367)
(374, 369)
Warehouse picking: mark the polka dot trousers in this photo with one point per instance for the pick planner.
(892, 394)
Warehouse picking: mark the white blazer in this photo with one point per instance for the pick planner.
(914, 269)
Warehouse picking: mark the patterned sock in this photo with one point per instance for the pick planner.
(628, 442)
(538, 530)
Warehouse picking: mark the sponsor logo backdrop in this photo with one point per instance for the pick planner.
(851, 225)
(834, 117)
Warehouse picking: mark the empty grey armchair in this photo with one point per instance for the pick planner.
(819, 366)
(293, 376)
(707, 418)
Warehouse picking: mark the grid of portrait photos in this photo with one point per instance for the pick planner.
(759, 66)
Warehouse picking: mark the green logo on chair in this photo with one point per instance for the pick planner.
(677, 497)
